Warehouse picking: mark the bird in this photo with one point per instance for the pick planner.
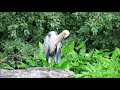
(52, 45)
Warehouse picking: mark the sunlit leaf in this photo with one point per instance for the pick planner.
(65, 65)
(115, 54)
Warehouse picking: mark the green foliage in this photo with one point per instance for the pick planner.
(91, 51)
(100, 29)
(16, 53)
(94, 64)
(17, 46)
(115, 54)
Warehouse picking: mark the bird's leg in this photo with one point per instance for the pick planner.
(48, 58)
(57, 57)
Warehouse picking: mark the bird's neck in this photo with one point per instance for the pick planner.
(60, 37)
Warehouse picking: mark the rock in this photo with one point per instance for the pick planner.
(36, 72)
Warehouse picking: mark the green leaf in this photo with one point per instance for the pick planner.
(6, 66)
(83, 50)
(76, 64)
(56, 65)
(41, 47)
(78, 75)
(22, 65)
(91, 53)
(88, 67)
(68, 49)
(4, 54)
(65, 65)
(115, 54)
(71, 46)
(73, 54)
(32, 63)
(81, 45)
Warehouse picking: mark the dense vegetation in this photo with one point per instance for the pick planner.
(92, 50)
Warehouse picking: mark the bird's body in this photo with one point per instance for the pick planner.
(52, 45)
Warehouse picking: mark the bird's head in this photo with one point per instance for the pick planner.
(66, 33)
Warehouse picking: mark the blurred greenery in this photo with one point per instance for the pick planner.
(92, 50)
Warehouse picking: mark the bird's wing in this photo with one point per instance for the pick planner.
(52, 42)
(46, 45)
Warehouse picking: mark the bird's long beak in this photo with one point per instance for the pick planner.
(66, 37)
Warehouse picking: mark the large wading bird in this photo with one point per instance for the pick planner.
(52, 45)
